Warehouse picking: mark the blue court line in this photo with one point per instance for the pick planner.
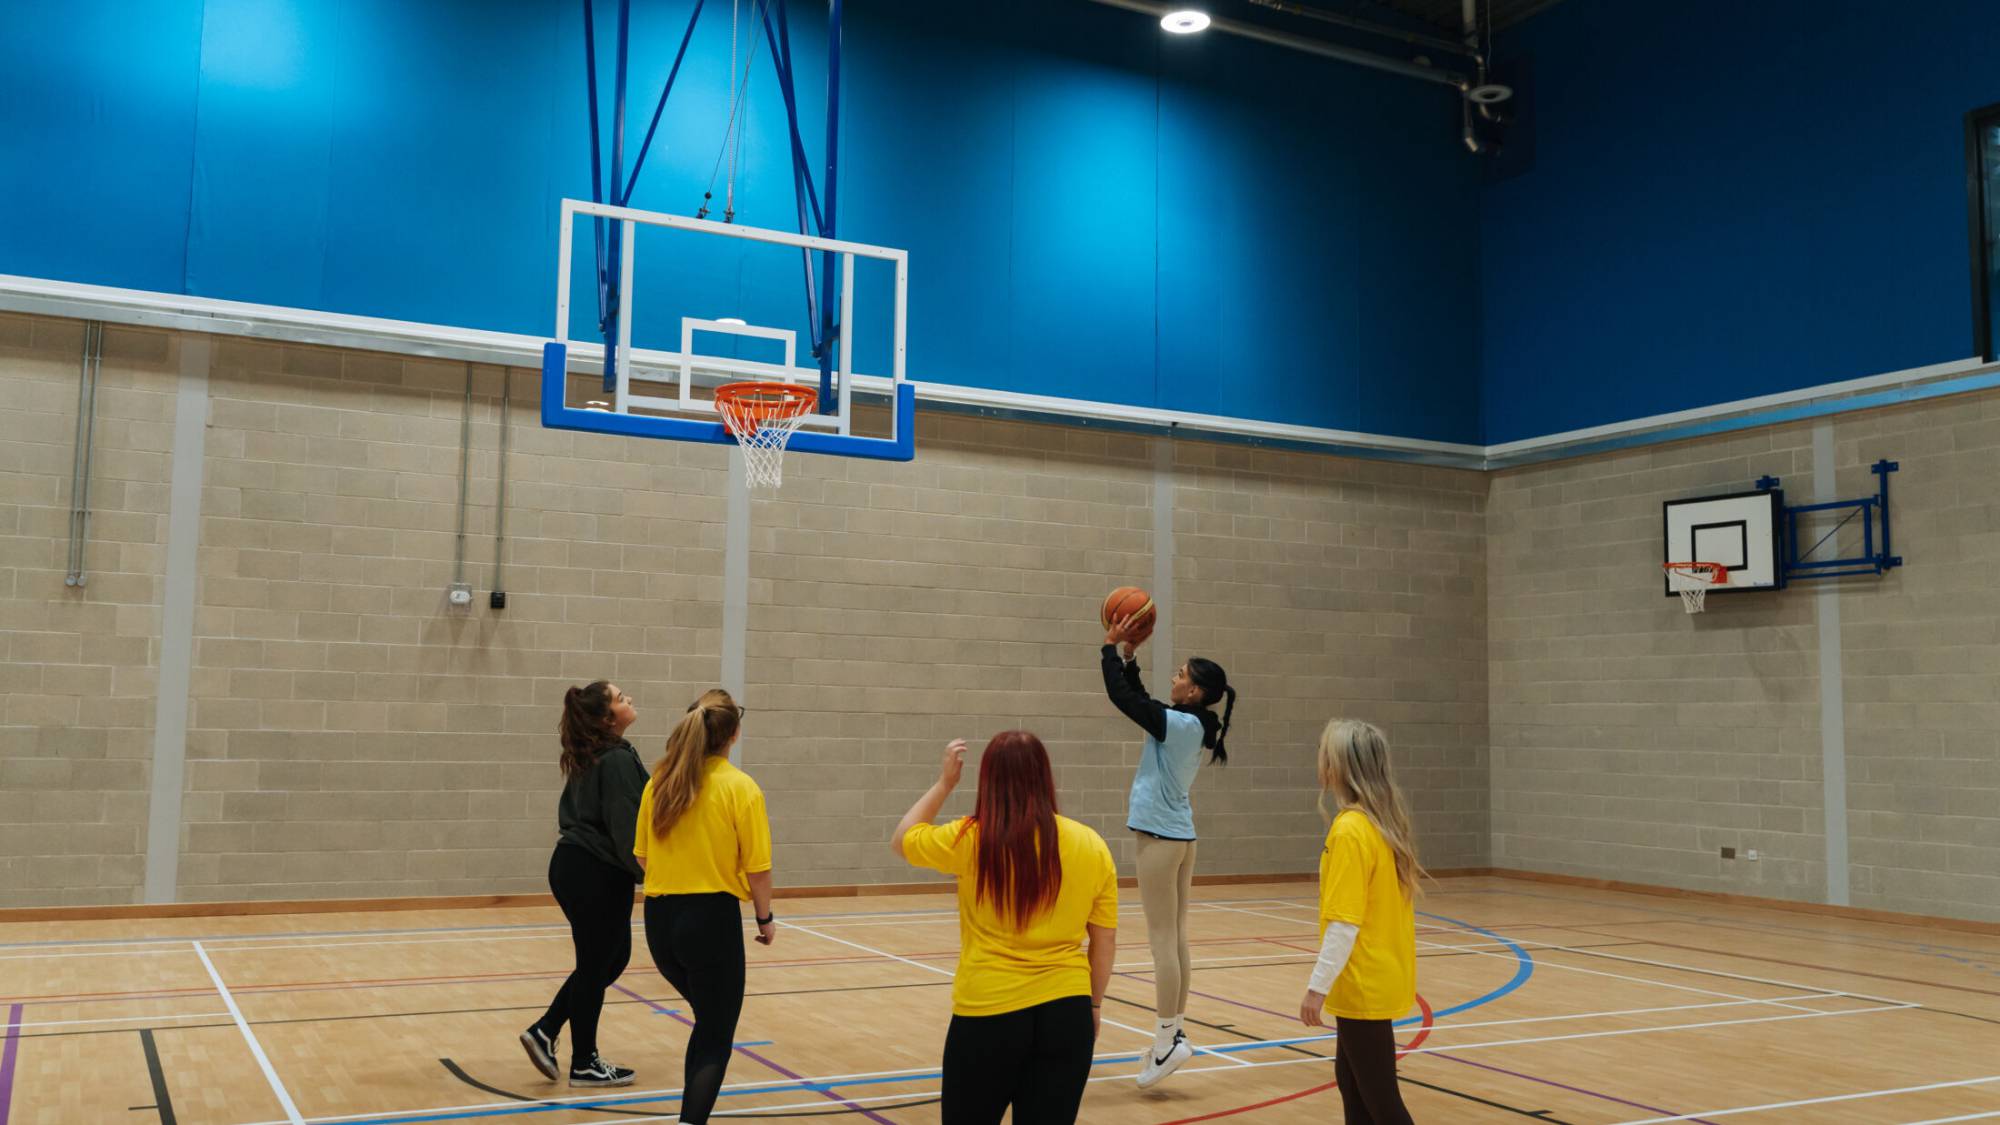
(1524, 968)
(753, 1043)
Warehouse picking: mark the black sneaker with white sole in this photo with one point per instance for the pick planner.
(599, 1073)
(541, 1048)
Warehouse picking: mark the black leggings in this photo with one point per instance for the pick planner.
(597, 899)
(697, 942)
(1036, 1060)
(1365, 1064)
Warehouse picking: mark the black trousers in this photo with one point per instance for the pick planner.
(697, 943)
(597, 899)
(1036, 1060)
(1365, 1064)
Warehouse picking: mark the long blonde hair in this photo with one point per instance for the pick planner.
(708, 728)
(1354, 758)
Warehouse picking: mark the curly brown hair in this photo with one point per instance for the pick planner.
(585, 728)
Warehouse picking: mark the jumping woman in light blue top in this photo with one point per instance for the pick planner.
(1162, 820)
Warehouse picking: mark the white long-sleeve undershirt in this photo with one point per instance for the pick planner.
(1334, 950)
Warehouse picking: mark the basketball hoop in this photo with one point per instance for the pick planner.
(1692, 581)
(763, 417)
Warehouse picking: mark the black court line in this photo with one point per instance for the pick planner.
(459, 1073)
(162, 1101)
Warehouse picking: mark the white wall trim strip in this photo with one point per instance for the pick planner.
(736, 582)
(179, 590)
(1164, 659)
(1832, 692)
(272, 322)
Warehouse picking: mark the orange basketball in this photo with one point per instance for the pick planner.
(1130, 601)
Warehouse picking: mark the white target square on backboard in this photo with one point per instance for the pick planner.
(1739, 530)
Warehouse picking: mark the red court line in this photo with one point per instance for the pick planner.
(1417, 1040)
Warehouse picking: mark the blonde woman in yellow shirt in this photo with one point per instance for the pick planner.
(705, 842)
(1032, 887)
(1367, 970)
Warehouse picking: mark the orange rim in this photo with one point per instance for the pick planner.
(765, 402)
(1717, 573)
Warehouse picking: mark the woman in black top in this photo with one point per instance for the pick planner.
(592, 873)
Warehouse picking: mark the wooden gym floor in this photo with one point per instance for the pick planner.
(1540, 1003)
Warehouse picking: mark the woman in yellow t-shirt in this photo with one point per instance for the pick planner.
(706, 845)
(1032, 885)
(1368, 872)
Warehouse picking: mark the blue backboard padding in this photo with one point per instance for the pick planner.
(557, 414)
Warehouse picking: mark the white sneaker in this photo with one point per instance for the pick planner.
(1159, 1066)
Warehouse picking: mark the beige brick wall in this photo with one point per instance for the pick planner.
(351, 734)
(1335, 587)
(897, 606)
(1921, 649)
(77, 665)
(1631, 740)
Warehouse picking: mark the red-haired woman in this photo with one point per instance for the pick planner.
(1032, 886)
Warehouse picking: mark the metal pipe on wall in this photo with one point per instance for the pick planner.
(1309, 46)
(1415, 39)
(464, 479)
(90, 367)
(498, 598)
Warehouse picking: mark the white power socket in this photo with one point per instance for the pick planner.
(1751, 854)
(461, 594)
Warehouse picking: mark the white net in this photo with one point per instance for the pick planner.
(763, 423)
(1692, 581)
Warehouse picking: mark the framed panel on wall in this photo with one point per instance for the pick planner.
(1982, 183)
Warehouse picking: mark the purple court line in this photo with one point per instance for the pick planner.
(753, 1057)
(7, 1061)
(1571, 1089)
(1454, 1058)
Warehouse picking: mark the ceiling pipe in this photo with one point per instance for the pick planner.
(1309, 46)
(1413, 38)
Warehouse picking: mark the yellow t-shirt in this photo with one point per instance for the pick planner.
(1002, 968)
(1357, 885)
(718, 843)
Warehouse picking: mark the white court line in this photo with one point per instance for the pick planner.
(1772, 981)
(1961, 1117)
(1454, 1025)
(556, 932)
(1963, 1082)
(125, 1019)
(250, 1037)
(928, 968)
(781, 1084)
(1599, 972)
(791, 925)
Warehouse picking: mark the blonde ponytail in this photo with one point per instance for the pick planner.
(708, 728)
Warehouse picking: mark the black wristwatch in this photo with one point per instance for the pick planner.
(767, 919)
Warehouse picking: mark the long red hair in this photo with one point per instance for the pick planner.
(1020, 868)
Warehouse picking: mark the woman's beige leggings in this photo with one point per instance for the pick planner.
(1166, 878)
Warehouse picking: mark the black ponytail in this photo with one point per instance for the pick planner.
(1208, 676)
